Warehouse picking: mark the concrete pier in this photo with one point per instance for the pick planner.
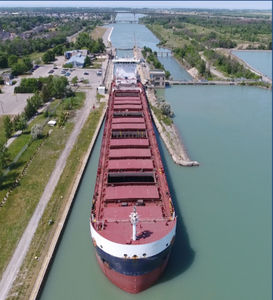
(169, 134)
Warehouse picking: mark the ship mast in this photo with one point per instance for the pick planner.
(134, 220)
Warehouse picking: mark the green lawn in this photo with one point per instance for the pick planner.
(19, 207)
(2, 132)
(45, 231)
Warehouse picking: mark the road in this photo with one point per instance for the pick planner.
(20, 252)
(212, 69)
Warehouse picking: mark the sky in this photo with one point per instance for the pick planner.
(140, 4)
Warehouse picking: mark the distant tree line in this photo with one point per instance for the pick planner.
(19, 24)
(252, 30)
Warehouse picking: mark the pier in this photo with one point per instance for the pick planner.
(169, 134)
(205, 82)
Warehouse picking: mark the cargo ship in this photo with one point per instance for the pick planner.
(133, 222)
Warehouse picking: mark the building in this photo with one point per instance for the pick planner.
(157, 78)
(69, 54)
(76, 57)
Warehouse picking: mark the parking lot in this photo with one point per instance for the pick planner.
(11, 104)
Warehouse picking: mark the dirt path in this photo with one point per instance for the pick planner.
(212, 69)
(21, 250)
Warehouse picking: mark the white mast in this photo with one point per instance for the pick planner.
(134, 220)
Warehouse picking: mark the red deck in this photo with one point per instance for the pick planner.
(130, 164)
(131, 192)
(131, 107)
(136, 143)
(131, 173)
(127, 120)
(130, 152)
(131, 126)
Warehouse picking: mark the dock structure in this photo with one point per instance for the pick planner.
(169, 134)
(206, 82)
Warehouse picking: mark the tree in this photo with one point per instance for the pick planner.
(68, 66)
(59, 50)
(28, 85)
(29, 110)
(83, 41)
(166, 109)
(18, 68)
(3, 61)
(87, 62)
(12, 59)
(19, 122)
(4, 156)
(74, 80)
(202, 67)
(27, 62)
(45, 93)
(48, 56)
(62, 119)
(37, 131)
(59, 86)
(8, 127)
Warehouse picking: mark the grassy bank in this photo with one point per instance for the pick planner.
(23, 198)
(2, 133)
(46, 229)
(98, 32)
(166, 37)
(161, 117)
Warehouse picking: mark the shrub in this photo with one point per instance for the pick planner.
(37, 131)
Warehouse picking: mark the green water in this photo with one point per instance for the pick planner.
(223, 245)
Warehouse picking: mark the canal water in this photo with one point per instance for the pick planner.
(223, 244)
(259, 60)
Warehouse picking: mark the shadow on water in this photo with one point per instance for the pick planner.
(182, 255)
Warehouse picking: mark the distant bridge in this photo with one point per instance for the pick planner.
(126, 21)
(125, 49)
(164, 53)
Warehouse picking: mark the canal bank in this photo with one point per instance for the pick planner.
(54, 243)
(225, 204)
(168, 132)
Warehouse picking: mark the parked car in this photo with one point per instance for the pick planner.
(85, 73)
(51, 71)
(67, 74)
(99, 72)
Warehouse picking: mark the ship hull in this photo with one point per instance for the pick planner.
(133, 275)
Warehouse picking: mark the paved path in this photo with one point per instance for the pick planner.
(212, 69)
(21, 250)
(17, 259)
